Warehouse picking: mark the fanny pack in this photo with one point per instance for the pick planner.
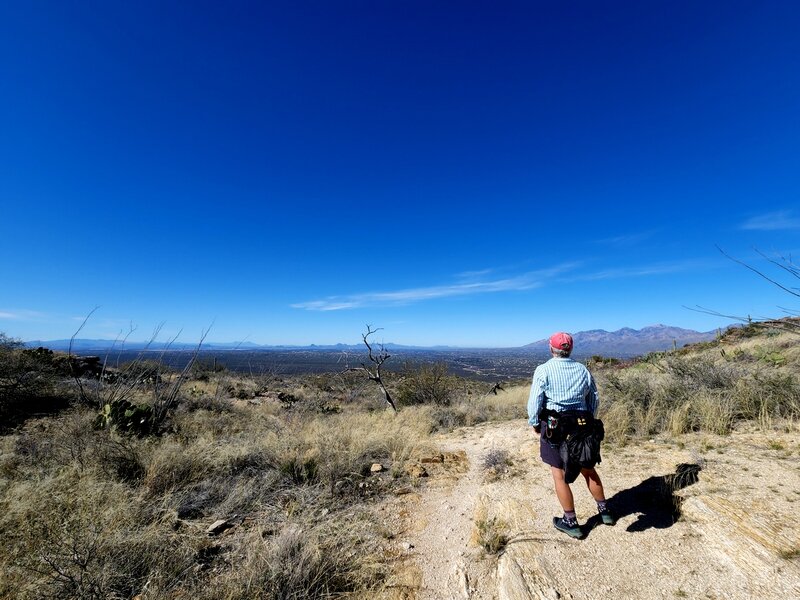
(558, 426)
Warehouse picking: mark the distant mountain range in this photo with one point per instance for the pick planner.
(630, 342)
(624, 342)
(100, 346)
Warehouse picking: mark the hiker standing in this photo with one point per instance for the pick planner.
(561, 409)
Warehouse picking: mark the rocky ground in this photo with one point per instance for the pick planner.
(737, 532)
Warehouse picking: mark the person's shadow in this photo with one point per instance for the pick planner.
(654, 499)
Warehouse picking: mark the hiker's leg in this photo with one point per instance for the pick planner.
(563, 492)
(594, 484)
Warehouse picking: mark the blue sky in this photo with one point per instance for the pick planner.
(457, 173)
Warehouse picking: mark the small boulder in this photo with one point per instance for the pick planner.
(376, 468)
(455, 457)
(219, 526)
(436, 458)
(415, 470)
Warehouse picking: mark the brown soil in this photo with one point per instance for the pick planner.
(731, 530)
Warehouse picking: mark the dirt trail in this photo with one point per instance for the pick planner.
(738, 535)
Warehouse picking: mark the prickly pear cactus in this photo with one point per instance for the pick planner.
(125, 417)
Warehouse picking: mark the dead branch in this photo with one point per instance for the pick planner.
(785, 263)
(164, 401)
(373, 371)
(497, 387)
(791, 268)
(790, 323)
(75, 375)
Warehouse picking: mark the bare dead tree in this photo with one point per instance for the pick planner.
(373, 370)
(497, 387)
(787, 264)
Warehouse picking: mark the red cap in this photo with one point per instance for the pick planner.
(560, 340)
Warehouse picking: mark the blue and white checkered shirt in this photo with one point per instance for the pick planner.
(562, 384)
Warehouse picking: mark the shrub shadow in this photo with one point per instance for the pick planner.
(654, 499)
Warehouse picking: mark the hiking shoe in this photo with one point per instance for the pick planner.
(571, 530)
(607, 517)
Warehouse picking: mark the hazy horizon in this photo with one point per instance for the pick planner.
(246, 345)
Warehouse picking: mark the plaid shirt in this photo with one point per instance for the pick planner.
(562, 384)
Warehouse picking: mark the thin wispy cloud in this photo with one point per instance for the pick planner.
(475, 274)
(524, 281)
(630, 239)
(772, 221)
(642, 271)
(20, 315)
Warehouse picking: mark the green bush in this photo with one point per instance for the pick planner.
(427, 384)
(204, 369)
(28, 380)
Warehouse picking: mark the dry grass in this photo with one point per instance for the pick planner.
(98, 513)
(707, 387)
(88, 513)
(479, 407)
(74, 535)
(490, 532)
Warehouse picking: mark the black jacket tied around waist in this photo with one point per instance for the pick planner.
(577, 434)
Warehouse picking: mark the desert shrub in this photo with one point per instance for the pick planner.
(348, 444)
(618, 419)
(462, 414)
(490, 532)
(173, 465)
(242, 388)
(696, 372)
(306, 401)
(201, 401)
(51, 441)
(634, 387)
(750, 330)
(203, 369)
(139, 397)
(72, 536)
(300, 466)
(305, 560)
(427, 384)
(765, 397)
(27, 381)
(472, 409)
(121, 459)
(118, 516)
(495, 458)
(144, 370)
(607, 361)
(714, 411)
(690, 391)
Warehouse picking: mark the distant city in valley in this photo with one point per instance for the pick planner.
(490, 364)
